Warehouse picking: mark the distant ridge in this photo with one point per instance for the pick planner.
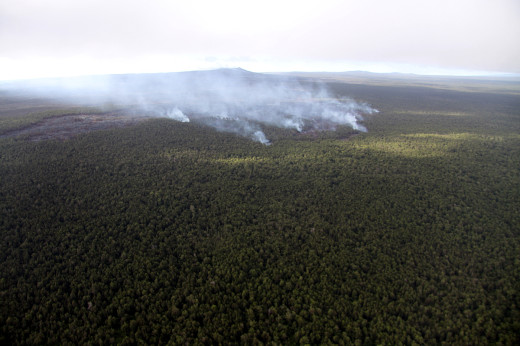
(152, 82)
(133, 77)
(140, 79)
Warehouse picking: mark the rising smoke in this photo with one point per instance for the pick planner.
(229, 100)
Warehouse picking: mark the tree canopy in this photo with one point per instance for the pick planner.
(168, 232)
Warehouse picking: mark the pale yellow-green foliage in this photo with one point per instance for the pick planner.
(434, 113)
(419, 145)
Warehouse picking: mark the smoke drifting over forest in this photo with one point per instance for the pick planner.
(229, 100)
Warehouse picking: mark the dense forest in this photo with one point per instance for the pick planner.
(169, 232)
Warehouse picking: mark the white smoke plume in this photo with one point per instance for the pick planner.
(176, 114)
(230, 100)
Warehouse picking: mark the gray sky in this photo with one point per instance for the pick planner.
(73, 37)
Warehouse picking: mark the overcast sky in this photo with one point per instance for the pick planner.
(73, 37)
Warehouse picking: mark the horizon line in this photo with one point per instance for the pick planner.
(468, 74)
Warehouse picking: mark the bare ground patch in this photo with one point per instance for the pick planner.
(66, 126)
